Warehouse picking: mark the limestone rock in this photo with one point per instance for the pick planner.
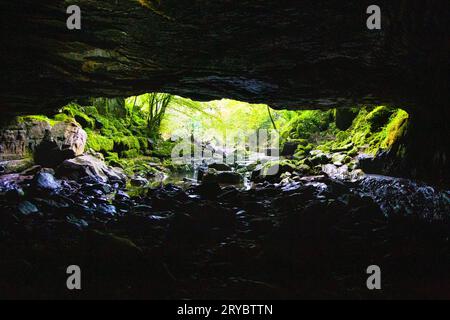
(69, 135)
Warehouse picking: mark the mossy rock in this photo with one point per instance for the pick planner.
(379, 117)
(344, 117)
(77, 113)
(98, 142)
(396, 128)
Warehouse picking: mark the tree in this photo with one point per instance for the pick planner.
(156, 106)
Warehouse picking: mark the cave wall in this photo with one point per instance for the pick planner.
(291, 54)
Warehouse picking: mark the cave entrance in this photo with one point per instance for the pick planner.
(158, 137)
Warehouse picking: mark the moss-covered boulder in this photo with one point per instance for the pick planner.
(344, 117)
(379, 117)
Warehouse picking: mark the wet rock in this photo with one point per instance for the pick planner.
(342, 172)
(12, 181)
(272, 171)
(208, 176)
(229, 177)
(97, 188)
(317, 158)
(122, 195)
(338, 159)
(106, 210)
(80, 224)
(208, 190)
(138, 181)
(90, 166)
(219, 166)
(27, 208)
(46, 181)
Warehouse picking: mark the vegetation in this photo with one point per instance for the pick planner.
(138, 133)
(372, 129)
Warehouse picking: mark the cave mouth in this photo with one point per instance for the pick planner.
(158, 136)
(153, 194)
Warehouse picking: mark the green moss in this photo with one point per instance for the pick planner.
(277, 167)
(126, 143)
(63, 117)
(78, 113)
(372, 129)
(131, 153)
(98, 142)
(143, 143)
(36, 118)
(379, 117)
(396, 128)
(307, 122)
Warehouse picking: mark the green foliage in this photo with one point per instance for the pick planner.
(372, 129)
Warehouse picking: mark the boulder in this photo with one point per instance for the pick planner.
(317, 158)
(45, 181)
(26, 208)
(138, 181)
(338, 159)
(229, 177)
(335, 172)
(90, 166)
(69, 135)
(65, 140)
(214, 176)
(219, 166)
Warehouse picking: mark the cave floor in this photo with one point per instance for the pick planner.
(313, 238)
